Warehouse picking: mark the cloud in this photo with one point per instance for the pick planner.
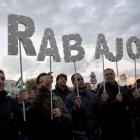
(88, 18)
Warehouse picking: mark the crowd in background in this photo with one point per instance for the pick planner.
(110, 112)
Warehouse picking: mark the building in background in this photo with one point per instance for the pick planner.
(10, 88)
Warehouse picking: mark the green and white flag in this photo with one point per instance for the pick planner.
(18, 84)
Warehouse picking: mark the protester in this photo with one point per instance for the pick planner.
(9, 110)
(32, 92)
(135, 109)
(115, 119)
(98, 86)
(84, 110)
(88, 87)
(43, 126)
(129, 90)
(61, 88)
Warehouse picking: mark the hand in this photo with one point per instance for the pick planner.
(136, 94)
(119, 97)
(48, 80)
(78, 101)
(104, 96)
(56, 112)
(23, 96)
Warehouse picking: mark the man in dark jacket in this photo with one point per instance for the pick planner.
(115, 119)
(62, 91)
(43, 126)
(84, 110)
(135, 110)
(9, 109)
(61, 88)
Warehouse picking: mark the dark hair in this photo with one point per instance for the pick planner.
(98, 86)
(61, 75)
(138, 81)
(87, 83)
(109, 69)
(38, 77)
(125, 86)
(72, 77)
(130, 86)
(1, 71)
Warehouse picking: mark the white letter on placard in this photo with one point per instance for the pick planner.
(129, 47)
(77, 46)
(14, 34)
(109, 55)
(53, 51)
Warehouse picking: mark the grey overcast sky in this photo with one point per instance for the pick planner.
(88, 18)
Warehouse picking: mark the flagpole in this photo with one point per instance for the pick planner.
(51, 91)
(22, 80)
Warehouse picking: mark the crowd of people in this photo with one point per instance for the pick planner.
(111, 112)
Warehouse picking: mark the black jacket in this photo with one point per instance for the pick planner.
(61, 93)
(9, 110)
(85, 118)
(115, 116)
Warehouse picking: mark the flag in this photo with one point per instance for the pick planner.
(8, 92)
(18, 83)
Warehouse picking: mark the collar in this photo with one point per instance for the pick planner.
(66, 88)
(81, 92)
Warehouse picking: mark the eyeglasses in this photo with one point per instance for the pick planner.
(109, 74)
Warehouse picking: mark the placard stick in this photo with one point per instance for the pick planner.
(51, 89)
(118, 77)
(24, 116)
(135, 73)
(103, 71)
(76, 79)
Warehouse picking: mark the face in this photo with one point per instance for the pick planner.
(32, 92)
(80, 81)
(109, 76)
(61, 81)
(41, 79)
(88, 87)
(2, 82)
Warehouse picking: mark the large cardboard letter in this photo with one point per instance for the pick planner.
(14, 34)
(77, 46)
(105, 51)
(53, 51)
(129, 47)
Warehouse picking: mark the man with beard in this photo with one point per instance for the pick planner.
(61, 88)
(115, 119)
(84, 110)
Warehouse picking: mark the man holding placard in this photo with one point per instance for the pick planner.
(11, 112)
(84, 110)
(42, 126)
(115, 119)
